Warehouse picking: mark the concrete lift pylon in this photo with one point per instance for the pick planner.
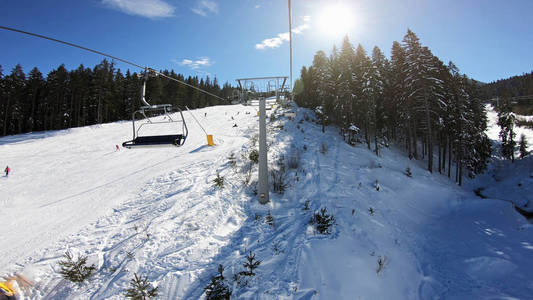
(262, 185)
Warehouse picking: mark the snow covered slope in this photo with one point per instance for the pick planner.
(505, 180)
(156, 212)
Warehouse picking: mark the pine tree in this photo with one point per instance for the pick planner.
(323, 221)
(376, 91)
(321, 65)
(250, 265)
(363, 109)
(345, 103)
(217, 289)
(15, 84)
(506, 121)
(523, 146)
(34, 94)
(75, 270)
(141, 289)
(219, 181)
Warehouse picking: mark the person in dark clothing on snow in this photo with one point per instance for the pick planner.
(7, 170)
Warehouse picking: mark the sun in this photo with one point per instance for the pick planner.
(336, 20)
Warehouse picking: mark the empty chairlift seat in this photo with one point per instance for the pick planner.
(176, 139)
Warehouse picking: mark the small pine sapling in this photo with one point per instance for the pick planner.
(322, 221)
(408, 172)
(250, 265)
(371, 211)
(217, 289)
(306, 205)
(382, 261)
(232, 160)
(141, 289)
(279, 179)
(254, 156)
(219, 181)
(276, 248)
(75, 270)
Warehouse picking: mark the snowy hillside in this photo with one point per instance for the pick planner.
(157, 213)
(505, 180)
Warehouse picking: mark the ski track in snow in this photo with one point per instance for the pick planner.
(169, 223)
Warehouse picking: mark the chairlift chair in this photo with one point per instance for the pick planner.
(176, 139)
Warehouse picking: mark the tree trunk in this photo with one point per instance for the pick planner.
(429, 137)
(415, 140)
(449, 157)
(440, 152)
(5, 116)
(444, 153)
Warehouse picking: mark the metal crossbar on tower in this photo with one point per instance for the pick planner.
(257, 87)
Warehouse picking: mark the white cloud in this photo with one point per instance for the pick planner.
(145, 8)
(204, 7)
(283, 37)
(195, 64)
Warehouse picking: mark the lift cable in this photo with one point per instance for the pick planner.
(110, 56)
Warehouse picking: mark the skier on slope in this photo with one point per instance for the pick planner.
(7, 170)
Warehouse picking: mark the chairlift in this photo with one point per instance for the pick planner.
(148, 113)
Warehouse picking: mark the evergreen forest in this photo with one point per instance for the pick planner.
(84, 96)
(515, 86)
(413, 99)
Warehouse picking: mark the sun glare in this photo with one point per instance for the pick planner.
(336, 20)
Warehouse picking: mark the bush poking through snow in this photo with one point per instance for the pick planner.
(219, 181)
(306, 205)
(232, 160)
(269, 219)
(254, 139)
(322, 221)
(254, 156)
(75, 270)
(276, 248)
(371, 211)
(323, 148)
(278, 176)
(140, 289)
(377, 186)
(382, 261)
(217, 289)
(294, 159)
(408, 172)
(130, 255)
(247, 170)
(522, 146)
(250, 265)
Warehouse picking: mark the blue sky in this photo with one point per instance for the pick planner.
(230, 39)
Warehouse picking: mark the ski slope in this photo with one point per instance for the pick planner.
(156, 212)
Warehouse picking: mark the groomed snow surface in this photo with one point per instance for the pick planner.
(157, 213)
